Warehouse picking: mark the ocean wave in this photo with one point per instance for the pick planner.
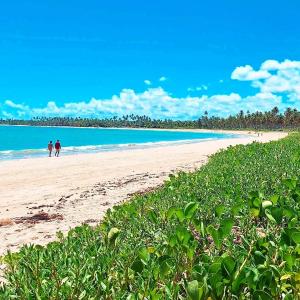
(69, 150)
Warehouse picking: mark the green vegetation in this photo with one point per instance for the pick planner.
(269, 120)
(231, 230)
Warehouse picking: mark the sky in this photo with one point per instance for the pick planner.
(165, 59)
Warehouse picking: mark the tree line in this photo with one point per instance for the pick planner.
(269, 120)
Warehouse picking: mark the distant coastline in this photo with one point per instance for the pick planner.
(272, 120)
(234, 131)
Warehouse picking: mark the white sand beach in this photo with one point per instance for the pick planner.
(41, 196)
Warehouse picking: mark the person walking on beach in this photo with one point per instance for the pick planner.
(57, 148)
(50, 148)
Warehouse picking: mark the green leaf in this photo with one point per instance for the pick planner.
(190, 209)
(262, 295)
(219, 209)
(144, 254)
(277, 213)
(183, 235)
(151, 249)
(289, 212)
(171, 211)
(256, 202)
(137, 266)
(254, 212)
(259, 257)
(164, 268)
(103, 285)
(180, 214)
(225, 227)
(215, 235)
(289, 297)
(194, 291)
(290, 260)
(152, 216)
(155, 295)
(172, 241)
(82, 295)
(237, 282)
(228, 264)
(112, 235)
(296, 237)
(269, 216)
(290, 183)
(236, 209)
(274, 199)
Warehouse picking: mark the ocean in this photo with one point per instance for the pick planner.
(28, 141)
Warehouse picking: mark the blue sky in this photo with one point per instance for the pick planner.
(170, 59)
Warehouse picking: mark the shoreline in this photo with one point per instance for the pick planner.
(98, 149)
(152, 128)
(42, 196)
(34, 153)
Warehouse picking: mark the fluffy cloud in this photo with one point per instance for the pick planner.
(162, 78)
(147, 82)
(262, 102)
(154, 102)
(11, 104)
(247, 73)
(278, 84)
(272, 65)
(273, 77)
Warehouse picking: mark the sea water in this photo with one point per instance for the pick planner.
(31, 141)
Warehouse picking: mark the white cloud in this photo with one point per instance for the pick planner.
(12, 104)
(202, 87)
(273, 77)
(272, 65)
(154, 102)
(162, 78)
(7, 115)
(278, 84)
(227, 99)
(262, 102)
(247, 73)
(147, 82)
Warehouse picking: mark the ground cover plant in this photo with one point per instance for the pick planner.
(230, 230)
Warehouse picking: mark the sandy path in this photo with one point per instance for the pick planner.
(80, 188)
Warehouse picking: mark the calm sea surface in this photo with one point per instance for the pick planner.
(26, 141)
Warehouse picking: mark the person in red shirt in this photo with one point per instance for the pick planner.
(57, 148)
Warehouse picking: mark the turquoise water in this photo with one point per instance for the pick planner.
(26, 141)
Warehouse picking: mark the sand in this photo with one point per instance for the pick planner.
(41, 196)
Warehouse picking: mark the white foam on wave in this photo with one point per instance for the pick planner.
(68, 150)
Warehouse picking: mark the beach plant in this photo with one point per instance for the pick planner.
(229, 230)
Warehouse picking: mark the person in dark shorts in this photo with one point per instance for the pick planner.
(50, 148)
(57, 148)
